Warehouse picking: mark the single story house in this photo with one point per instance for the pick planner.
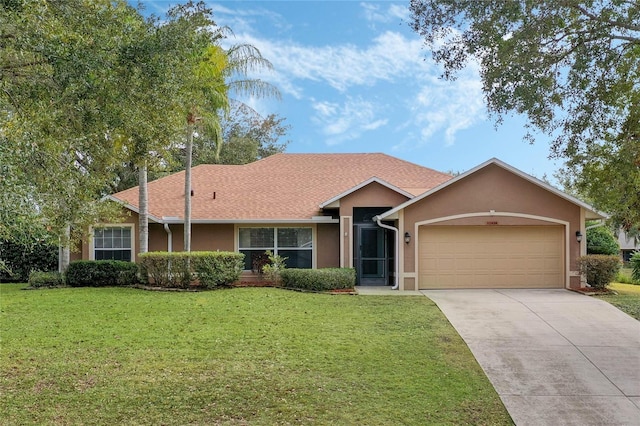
(395, 222)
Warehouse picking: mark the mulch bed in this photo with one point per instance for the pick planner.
(254, 284)
(272, 284)
(590, 291)
(239, 284)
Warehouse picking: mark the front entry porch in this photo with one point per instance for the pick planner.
(373, 251)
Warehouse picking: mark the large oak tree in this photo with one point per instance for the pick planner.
(572, 67)
(58, 109)
(87, 86)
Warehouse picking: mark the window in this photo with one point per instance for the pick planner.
(296, 244)
(112, 243)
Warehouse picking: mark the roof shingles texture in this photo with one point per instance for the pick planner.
(279, 187)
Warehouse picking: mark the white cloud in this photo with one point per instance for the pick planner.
(354, 72)
(347, 121)
(448, 106)
(390, 56)
(395, 12)
(244, 20)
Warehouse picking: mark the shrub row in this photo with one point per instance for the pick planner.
(209, 269)
(599, 269)
(101, 273)
(45, 279)
(319, 279)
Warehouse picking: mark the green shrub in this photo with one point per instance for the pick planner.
(217, 268)
(20, 259)
(165, 269)
(273, 269)
(319, 279)
(45, 279)
(180, 270)
(635, 267)
(599, 269)
(101, 273)
(600, 240)
(623, 278)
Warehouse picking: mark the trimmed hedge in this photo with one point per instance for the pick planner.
(319, 279)
(599, 269)
(45, 279)
(181, 270)
(101, 273)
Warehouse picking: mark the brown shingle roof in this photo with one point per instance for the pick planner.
(280, 187)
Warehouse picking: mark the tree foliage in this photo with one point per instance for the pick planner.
(33, 251)
(58, 106)
(248, 137)
(88, 88)
(600, 240)
(572, 67)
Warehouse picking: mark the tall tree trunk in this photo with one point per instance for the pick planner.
(64, 250)
(143, 216)
(187, 189)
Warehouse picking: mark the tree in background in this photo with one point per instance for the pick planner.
(571, 67)
(246, 137)
(600, 240)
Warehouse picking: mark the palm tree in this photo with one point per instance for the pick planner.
(219, 73)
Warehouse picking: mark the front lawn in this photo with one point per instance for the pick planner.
(627, 299)
(243, 356)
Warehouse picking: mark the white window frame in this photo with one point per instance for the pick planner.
(275, 249)
(92, 250)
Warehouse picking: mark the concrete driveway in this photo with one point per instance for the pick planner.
(555, 357)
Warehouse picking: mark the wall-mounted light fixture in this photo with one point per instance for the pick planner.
(407, 237)
(578, 236)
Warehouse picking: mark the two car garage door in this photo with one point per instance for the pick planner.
(491, 257)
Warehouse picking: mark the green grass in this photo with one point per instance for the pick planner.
(242, 356)
(627, 299)
(624, 276)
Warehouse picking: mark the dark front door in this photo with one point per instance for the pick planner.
(371, 252)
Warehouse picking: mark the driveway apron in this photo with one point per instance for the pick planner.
(555, 357)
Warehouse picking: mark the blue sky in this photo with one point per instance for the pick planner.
(355, 78)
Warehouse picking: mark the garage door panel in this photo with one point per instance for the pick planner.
(491, 257)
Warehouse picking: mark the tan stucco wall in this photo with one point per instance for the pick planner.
(372, 195)
(203, 237)
(346, 241)
(409, 284)
(209, 237)
(328, 245)
(491, 188)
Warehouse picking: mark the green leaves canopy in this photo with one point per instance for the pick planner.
(87, 87)
(58, 98)
(571, 66)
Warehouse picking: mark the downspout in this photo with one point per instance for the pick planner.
(169, 238)
(396, 282)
